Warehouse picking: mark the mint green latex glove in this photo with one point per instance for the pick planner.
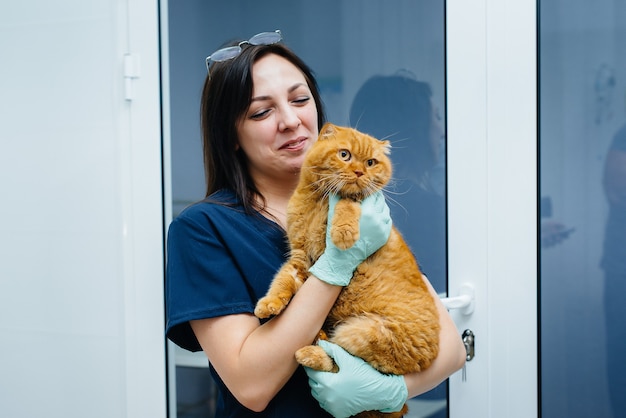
(357, 387)
(336, 266)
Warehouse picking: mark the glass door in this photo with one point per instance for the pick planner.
(583, 207)
(380, 66)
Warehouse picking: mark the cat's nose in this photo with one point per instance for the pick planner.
(358, 173)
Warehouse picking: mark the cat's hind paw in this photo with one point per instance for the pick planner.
(315, 357)
(270, 306)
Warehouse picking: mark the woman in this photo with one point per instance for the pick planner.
(400, 108)
(614, 266)
(261, 112)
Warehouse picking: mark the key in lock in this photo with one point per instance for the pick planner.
(468, 341)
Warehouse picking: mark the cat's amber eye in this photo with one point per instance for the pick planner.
(344, 154)
(371, 162)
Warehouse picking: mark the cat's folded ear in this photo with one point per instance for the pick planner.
(386, 147)
(328, 130)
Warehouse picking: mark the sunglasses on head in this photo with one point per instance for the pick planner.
(230, 52)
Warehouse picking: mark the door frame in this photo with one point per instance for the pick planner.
(491, 53)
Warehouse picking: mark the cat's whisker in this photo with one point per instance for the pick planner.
(323, 180)
(394, 202)
(356, 125)
(395, 142)
(392, 187)
(388, 138)
(394, 180)
(328, 185)
(396, 193)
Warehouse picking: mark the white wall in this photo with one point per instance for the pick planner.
(81, 305)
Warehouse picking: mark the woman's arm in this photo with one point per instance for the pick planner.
(359, 387)
(451, 355)
(255, 360)
(615, 178)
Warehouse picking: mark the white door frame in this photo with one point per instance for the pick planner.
(146, 386)
(492, 201)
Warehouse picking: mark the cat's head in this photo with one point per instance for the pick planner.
(347, 162)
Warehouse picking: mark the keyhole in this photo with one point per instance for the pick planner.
(468, 341)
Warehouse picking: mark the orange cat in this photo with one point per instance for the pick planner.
(386, 315)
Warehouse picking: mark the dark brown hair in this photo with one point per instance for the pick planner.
(397, 107)
(226, 97)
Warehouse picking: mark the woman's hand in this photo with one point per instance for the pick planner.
(328, 387)
(357, 387)
(336, 266)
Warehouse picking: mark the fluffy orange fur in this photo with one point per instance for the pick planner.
(386, 315)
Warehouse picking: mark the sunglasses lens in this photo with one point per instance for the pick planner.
(230, 52)
(225, 53)
(265, 38)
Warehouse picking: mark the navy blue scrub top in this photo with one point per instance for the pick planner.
(220, 261)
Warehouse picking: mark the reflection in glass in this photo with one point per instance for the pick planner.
(583, 209)
(400, 108)
(614, 266)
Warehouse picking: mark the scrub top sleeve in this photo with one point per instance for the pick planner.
(203, 279)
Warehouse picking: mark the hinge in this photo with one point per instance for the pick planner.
(132, 70)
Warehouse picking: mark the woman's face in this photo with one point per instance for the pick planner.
(281, 123)
(436, 133)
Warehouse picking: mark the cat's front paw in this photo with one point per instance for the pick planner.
(314, 357)
(270, 306)
(344, 231)
(344, 237)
